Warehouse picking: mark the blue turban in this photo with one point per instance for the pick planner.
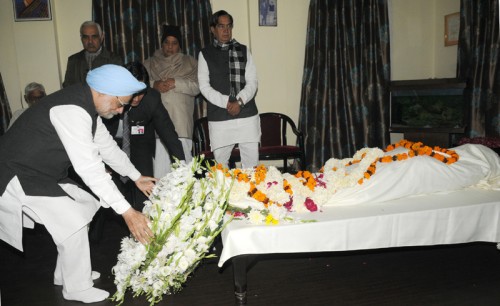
(114, 80)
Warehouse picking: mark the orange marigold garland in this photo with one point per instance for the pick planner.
(414, 149)
(258, 195)
(219, 167)
(260, 174)
(418, 149)
(365, 160)
(240, 176)
(369, 172)
(339, 177)
(307, 179)
(287, 187)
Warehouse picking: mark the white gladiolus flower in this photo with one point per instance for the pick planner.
(183, 264)
(186, 215)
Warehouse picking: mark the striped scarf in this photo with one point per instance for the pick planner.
(236, 66)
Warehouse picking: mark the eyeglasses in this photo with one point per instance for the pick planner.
(121, 103)
(221, 26)
(34, 98)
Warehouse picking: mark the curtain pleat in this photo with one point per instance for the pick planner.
(133, 28)
(5, 112)
(478, 65)
(345, 97)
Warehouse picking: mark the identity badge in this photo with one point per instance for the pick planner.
(137, 130)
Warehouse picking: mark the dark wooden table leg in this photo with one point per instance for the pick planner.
(240, 279)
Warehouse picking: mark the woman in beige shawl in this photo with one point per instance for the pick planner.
(174, 75)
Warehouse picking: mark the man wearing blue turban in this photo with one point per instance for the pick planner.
(35, 155)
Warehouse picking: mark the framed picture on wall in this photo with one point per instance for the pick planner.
(451, 29)
(268, 13)
(29, 10)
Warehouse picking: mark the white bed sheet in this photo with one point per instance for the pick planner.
(433, 219)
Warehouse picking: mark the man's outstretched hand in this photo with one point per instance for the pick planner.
(138, 225)
(146, 184)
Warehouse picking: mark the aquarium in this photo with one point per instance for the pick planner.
(427, 104)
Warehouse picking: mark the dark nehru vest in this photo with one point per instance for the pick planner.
(32, 150)
(218, 67)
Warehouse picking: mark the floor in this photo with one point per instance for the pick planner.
(467, 274)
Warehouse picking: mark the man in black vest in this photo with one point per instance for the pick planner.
(66, 129)
(92, 56)
(228, 80)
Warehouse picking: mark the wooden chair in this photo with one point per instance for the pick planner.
(201, 138)
(273, 143)
(201, 142)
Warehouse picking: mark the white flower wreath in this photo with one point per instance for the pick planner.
(186, 215)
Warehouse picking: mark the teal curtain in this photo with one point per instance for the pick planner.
(478, 65)
(5, 112)
(345, 90)
(133, 28)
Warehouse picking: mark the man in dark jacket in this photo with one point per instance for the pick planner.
(92, 56)
(146, 115)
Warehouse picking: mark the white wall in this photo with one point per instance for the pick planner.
(417, 39)
(38, 50)
(8, 56)
(445, 58)
(70, 15)
(412, 42)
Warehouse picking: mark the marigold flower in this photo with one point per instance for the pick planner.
(439, 157)
(287, 187)
(260, 174)
(386, 159)
(418, 149)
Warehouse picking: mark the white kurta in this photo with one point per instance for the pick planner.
(63, 216)
(87, 154)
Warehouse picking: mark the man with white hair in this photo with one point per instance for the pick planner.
(66, 129)
(33, 92)
(92, 56)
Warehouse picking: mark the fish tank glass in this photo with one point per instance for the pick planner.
(431, 104)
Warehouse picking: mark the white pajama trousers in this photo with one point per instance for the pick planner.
(162, 164)
(73, 267)
(249, 152)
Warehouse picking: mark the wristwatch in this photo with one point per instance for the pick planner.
(240, 103)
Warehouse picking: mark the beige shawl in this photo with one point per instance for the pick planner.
(178, 65)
